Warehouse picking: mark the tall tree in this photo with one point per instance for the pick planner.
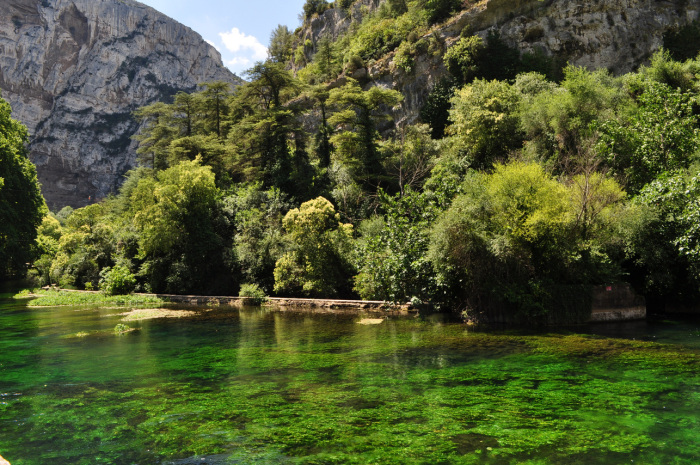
(22, 207)
(215, 102)
(357, 114)
(281, 44)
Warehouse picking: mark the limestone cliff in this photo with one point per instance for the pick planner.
(618, 35)
(75, 70)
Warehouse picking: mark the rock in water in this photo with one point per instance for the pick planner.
(75, 70)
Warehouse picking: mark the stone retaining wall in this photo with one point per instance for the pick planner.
(316, 305)
(617, 303)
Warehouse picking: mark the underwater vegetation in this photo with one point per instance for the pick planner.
(258, 386)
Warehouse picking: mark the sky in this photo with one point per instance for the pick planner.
(239, 29)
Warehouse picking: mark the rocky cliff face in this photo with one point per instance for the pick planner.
(75, 70)
(618, 35)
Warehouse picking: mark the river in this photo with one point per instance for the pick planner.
(257, 386)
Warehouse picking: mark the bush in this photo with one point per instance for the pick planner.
(312, 7)
(253, 292)
(440, 10)
(117, 281)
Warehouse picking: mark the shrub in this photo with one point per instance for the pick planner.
(121, 328)
(117, 281)
(440, 10)
(253, 292)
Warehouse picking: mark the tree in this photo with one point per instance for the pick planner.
(505, 245)
(312, 7)
(463, 58)
(439, 10)
(484, 118)
(258, 241)
(87, 245)
(318, 263)
(398, 7)
(322, 142)
(392, 259)
(325, 60)
(558, 121)
(214, 101)
(435, 111)
(662, 240)
(410, 157)
(158, 130)
(267, 142)
(281, 44)
(22, 206)
(356, 143)
(176, 216)
(661, 135)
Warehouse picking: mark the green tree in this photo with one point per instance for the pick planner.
(318, 263)
(179, 240)
(312, 7)
(357, 113)
(485, 120)
(267, 142)
(410, 157)
(504, 244)
(391, 253)
(22, 207)
(158, 131)
(214, 102)
(660, 135)
(258, 241)
(87, 245)
(186, 112)
(662, 240)
(463, 58)
(398, 7)
(435, 110)
(558, 122)
(439, 10)
(281, 44)
(325, 60)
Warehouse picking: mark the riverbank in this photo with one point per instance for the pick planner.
(609, 303)
(296, 304)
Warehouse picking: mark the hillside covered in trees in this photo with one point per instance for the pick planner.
(523, 182)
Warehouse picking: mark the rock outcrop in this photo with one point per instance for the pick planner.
(618, 35)
(75, 70)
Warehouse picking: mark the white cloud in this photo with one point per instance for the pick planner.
(239, 43)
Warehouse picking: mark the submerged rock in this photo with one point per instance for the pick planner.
(201, 460)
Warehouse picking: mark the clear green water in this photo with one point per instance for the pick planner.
(255, 386)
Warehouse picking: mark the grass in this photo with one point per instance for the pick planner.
(51, 298)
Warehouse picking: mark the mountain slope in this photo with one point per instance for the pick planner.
(619, 35)
(75, 70)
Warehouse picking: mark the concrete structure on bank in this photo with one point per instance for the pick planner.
(616, 303)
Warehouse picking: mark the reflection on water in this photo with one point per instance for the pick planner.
(258, 386)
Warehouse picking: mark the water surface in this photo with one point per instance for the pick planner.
(264, 387)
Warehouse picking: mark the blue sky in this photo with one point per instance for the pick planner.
(239, 29)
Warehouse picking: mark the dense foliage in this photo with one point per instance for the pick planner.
(21, 204)
(520, 192)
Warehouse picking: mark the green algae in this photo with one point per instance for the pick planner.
(262, 387)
